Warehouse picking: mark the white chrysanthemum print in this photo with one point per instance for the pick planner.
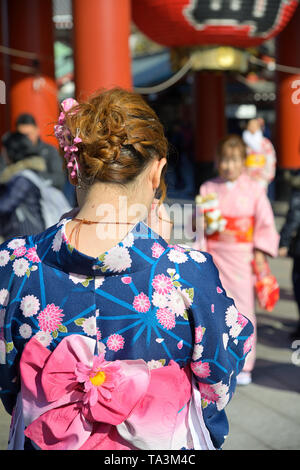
(176, 303)
(44, 337)
(235, 330)
(77, 278)
(186, 297)
(4, 257)
(99, 281)
(223, 395)
(13, 244)
(57, 241)
(225, 340)
(117, 259)
(154, 364)
(20, 267)
(198, 256)
(4, 297)
(160, 300)
(234, 321)
(30, 305)
(25, 331)
(197, 353)
(177, 256)
(128, 240)
(184, 246)
(231, 315)
(89, 326)
(101, 348)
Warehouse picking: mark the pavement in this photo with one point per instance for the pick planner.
(264, 415)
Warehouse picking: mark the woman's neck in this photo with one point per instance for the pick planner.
(106, 203)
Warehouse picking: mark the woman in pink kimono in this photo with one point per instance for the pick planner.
(242, 228)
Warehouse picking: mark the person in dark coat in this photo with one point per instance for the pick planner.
(27, 125)
(20, 209)
(290, 241)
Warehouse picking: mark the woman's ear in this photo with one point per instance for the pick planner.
(156, 172)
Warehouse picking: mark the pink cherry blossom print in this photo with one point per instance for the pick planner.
(248, 344)
(162, 284)
(177, 248)
(207, 393)
(50, 318)
(99, 334)
(199, 332)
(242, 320)
(212, 307)
(201, 369)
(219, 290)
(32, 255)
(141, 303)
(159, 340)
(19, 252)
(157, 250)
(180, 344)
(115, 342)
(126, 279)
(166, 318)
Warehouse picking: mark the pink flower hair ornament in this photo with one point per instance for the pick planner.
(65, 139)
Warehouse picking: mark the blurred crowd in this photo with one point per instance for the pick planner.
(28, 164)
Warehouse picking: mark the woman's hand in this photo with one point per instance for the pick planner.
(283, 251)
(260, 260)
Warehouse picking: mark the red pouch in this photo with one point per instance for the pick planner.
(266, 287)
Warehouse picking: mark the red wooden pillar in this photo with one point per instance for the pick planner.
(32, 79)
(101, 45)
(288, 95)
(209, 118)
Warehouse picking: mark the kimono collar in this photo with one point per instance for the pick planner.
(140, 248)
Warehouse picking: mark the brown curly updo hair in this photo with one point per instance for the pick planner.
(230, 142)
(120, 135)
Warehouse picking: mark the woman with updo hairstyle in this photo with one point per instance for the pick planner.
(114, 339)
(240, 231)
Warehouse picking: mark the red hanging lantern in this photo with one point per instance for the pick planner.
(239, 23)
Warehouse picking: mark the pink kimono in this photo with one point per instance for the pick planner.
(249, 225)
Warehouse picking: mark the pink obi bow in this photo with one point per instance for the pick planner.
(75, 400)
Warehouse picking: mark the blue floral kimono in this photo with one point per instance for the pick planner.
(143, 304)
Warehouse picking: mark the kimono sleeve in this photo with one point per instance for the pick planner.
(223, 338)
(9, 385)
(266, 237)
